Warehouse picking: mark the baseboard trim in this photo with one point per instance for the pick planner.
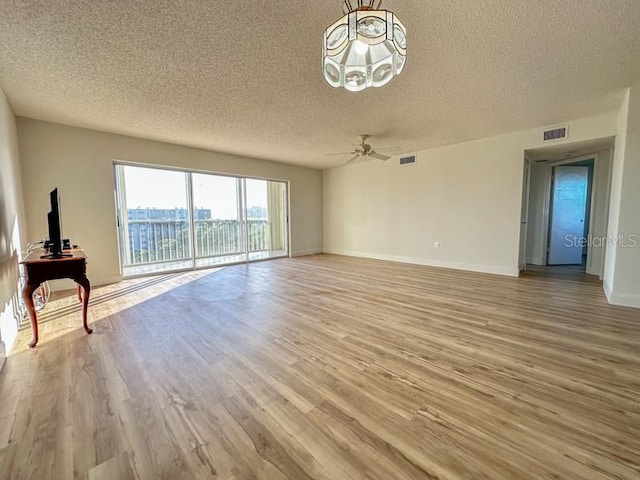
(302, 253)
(105, 280)
(68, 284)
(623, 299)
(510, 272)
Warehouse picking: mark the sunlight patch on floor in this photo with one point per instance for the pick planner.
(63, 313)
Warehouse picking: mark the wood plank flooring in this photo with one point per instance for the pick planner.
(328, 367)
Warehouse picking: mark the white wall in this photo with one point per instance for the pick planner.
(11, 222)
(80, 163)
(466, 196)
(622, 281)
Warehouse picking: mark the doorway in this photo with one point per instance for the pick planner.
(571, 187)
(561, 203)
(566, 194)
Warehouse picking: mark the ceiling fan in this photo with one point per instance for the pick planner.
(363, 150)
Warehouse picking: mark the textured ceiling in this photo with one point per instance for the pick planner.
(245, 76)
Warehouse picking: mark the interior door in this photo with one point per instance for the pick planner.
(568, 212)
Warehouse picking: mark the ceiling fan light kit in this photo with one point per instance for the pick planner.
(367, 47)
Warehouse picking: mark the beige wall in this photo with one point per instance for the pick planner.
(622, 276)
(80, 163)
(466, 196)
(11, 222)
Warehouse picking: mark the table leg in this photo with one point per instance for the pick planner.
(86, 286)
(27, 297)
(79, 294)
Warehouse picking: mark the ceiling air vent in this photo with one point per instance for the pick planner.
(408, 160)
(556, 133)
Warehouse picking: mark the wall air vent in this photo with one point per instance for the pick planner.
(556, 133)
(408, 160)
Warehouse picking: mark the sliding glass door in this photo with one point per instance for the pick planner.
(175, 220)
(154, 220)
(217, 212)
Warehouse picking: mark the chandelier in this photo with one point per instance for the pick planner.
(367, 47)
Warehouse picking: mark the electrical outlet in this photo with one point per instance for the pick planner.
(437, 245)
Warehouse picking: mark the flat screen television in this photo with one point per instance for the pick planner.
(54, 243)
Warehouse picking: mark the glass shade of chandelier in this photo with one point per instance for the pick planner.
(367, 47)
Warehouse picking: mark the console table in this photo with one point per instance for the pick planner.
(39, 270)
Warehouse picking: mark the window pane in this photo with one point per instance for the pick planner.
(156, 226)
(266, 214)
(216, 211)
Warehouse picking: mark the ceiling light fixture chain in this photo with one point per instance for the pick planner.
(367, 47)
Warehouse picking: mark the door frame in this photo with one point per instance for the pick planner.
(546, 225)
(524, 214)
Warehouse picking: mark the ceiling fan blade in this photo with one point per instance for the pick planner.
(351, 160)
(378, 156)
(389, 149)
(341, 153)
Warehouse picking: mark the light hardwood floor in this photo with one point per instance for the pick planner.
(328, 367)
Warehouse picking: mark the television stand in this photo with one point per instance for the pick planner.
(39, 269)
